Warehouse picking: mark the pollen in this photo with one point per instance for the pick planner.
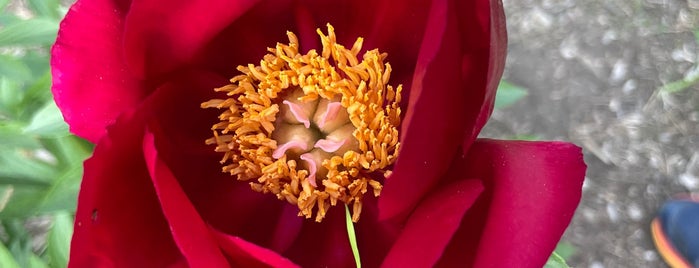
(314, 129)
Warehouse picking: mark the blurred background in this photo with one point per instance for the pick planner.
(617, 77)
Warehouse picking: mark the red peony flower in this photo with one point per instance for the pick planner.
(132, 76)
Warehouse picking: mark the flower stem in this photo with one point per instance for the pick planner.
(352, 237)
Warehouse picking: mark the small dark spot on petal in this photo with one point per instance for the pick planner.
(94, 215)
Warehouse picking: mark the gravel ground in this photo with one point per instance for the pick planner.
(594, 70)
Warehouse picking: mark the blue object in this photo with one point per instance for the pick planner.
(676, 233)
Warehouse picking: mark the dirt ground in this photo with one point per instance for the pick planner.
(594, 70)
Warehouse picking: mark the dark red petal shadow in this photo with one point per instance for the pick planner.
(190, 233)
(395, 27)
(119, 222)
(245, 254)
(447, 98)
(431, 226)
(495, 24)
(323, 244)
(91, 83)
(532, 191)
(180, 128)
(161, 36)
(198, 242)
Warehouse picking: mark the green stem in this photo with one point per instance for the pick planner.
(352, 237)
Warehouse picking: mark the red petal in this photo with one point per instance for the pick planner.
(245, 254)
(323, 244)
(119, 222)
(496, 63)
(395, 27)
(191, 234)
(161, 36)
(180, 128)
(430, 228)
(532, 190)
(447, 98)
(91, 83)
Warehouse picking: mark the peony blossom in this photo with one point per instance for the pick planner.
(133, 76)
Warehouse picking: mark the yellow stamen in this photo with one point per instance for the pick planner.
(251, 114)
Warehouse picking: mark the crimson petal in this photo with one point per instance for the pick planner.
(159, 37)
(189, 231)
(496, 63)
(532, 190)
(119, 222)
(246, 254)
(433, 223)
(449, 92)
(228, 205)
(91, 83)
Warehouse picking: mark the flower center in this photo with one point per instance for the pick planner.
(312, 129)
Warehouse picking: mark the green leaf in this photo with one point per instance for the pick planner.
(565, 250)
(58, 245)
(35, 97)
(13, 68)
(12, 136)
(45, 8)
(18, 167)
(37, 60)
(525, 137)
(10, 97)
(508, 94)
(36, 262)
(556, 261)
(8, 18)
(48, 122)
(18, 242)
(38, 31)
(3, 4)
(352, 237)
(690, 79)
(6, 259)
(70, 150)
(61, 195)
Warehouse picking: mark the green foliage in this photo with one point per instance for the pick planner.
(508, 94)
(40, 161)
(558, 258)
(690, 79)
(556, 261)
(59, 240)
(6, 259)
(31, 32)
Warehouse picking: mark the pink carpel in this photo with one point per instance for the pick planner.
(281, 150)
(328, 145)
(299, 113)
(312, 168)
(331, 112)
